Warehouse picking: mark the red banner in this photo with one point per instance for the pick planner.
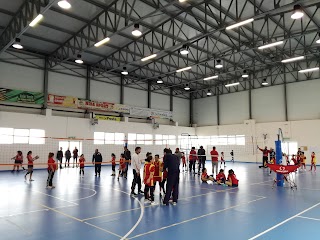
(283, 169)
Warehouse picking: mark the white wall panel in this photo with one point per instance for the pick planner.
(135, 97)
(181, 111)
(159, 101)
(234, 108)
(205, 111)
(303, 100)
(104, 92)
(66, 85)
(19, 77)
(268, 104)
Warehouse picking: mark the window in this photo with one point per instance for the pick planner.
(214, 140)
(109, 138)
(148, 139)
(98, 138)
(6, 135)
(158, 139)
(132, 137)
(241, 140)
(172, 139)
(140, 138)
(21, 136)
(231, 140)
(119, 138)
(223, 140)
(166, 139)
(37, 136)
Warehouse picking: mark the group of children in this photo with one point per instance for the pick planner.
(221, 179)
(300, 159)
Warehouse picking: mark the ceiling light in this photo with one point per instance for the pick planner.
(219, 64)
(159, 80)
(64, 4)
(292, 59)
(103, 41)
(124, 71)
(309, 70)
(148, 58)
(270, 45)
(240, 24)
(182, 0)
(318, 41)
(209, 93)
(245, 74)
(184, 50)
(265, 83)
(183, 69)
(298, 13)
(212, 77)
(136, 32)
(232, 84)
(17, 44)
(79, 59)
(36, 20)
(187, 88)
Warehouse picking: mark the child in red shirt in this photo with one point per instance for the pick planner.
(232, 179)
(52, 167)
(205, 177)
(184, 164)
(30, 165)
(122, 165)
(192, 160)
(81, 164)
(148, 180)
(113, 162)
(18, 160)
(158, 167)
(294, 159)
(222, 160)
(221, 177)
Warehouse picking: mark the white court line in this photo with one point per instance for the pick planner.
(55, 197)
(316, 219)
(114, 213)
(20, 227)
(283, 222)
(196, 218)
(95, 192)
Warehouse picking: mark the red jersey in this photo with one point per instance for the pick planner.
(113, 161)
(294, 160)
(51, 162)
(19, 158)
(183, 159)
(193, 156)
(30, 160)
(157, 171)
(214, 155)
(148, 169)
(265, 152)
(233, 179)
(81, 161)
(204, 175)
(122, 163)
(220, 176)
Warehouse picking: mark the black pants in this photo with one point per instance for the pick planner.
(136, 180)
(75, 159)
(148, 189)
(82, 170)
(97, 168)
(192, 165)
(50, 177)
(113, 168)
(202, 162)
(67, 160)
(172, 186)
(60, 160)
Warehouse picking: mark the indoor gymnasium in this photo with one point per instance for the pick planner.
(159, 119)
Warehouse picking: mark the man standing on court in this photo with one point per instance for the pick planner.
(202, 158)
(214, 157)
(171, 163)
(127, 156)
(178, 154)
(265, 153)
(136, 166)
(97, 160)
(60, 156)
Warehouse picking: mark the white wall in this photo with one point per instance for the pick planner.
(234, 108)
(205, 111)
(160, 101)
(135, 97)
(181, 111)
(104, 92)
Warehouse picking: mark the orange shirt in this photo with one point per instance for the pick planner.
(148, 169)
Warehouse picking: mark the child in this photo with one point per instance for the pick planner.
(52, 167)
(303, 161)
(18, 160)
(205, 177)
(122, 166)
(286, 157)
(232, 156)
(294, 160)
(232, 179)
(221, 177)
(193, 157)
(222, 160)
(158, 166)
(313, 161)
(113, 162)
(30, 165)
(272, 161)
(184, 164)
(81, 164)
(148, 174)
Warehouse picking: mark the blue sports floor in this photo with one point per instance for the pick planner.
(102, 209)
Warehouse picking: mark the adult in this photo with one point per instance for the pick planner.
(136, 166)
(60, 156)
(178, 154)
(202, 158)
(75, 156)
(127, 156)
(265, 153)
(214, 158)
(171, 163)
(67, 155)
(192, 160)
(299, 153)
(97, 160)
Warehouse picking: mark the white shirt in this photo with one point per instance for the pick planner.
(136, 162)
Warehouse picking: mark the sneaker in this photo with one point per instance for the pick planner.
(147, 201)
(48, 187)
(165, 204)
(153, 203)
(53, 186)
(31, 180)
(133, 194)
(174, 203)
(141, 192)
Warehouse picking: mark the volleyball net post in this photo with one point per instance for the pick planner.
(280, 179)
